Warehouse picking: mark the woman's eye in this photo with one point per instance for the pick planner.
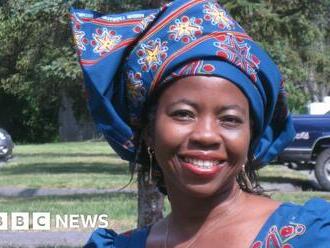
(231, 121)
(182, 114)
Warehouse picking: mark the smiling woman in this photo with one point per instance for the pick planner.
(185, 92)
(201, 136)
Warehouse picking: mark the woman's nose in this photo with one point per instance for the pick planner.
(206, 134)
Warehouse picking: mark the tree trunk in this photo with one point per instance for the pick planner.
(312, 86)
(150, 202)
(71, 128)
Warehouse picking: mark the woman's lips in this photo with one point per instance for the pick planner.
(204, 168)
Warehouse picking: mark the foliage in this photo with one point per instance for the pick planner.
(38, 62)
(296, 33)
(39, 65)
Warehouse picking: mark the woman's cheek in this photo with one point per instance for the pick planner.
(237, 144)
(170, 131)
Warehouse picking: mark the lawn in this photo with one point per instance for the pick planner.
(72, 165)
(65, 165)
(93, 165)
(120, 208)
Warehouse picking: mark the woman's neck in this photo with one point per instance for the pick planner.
(189, 211)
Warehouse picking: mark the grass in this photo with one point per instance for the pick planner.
(279, 173)
(120, 208)
(65, 165)
(88, 165)
(299, 197)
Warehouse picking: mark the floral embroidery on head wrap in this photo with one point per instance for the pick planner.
(152, 54)
(104, 40)
(186, 29)
(237, 51)
(217, 16)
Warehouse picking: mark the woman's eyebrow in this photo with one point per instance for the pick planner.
(221, 109)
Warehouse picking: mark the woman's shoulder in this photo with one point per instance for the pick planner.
(311, 209)
(108, 238)
(294, 224)
(314, 214)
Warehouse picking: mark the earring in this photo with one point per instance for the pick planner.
(246, 178)
(150, 153)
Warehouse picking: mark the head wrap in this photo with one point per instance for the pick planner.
(126, 57)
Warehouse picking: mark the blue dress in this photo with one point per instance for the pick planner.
(290, 226)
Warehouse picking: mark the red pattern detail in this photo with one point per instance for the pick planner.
(107, 23)
(198, 21)
(140, 53)
(287, 231)
(137, 29)
(185, 19)
(196, 67)
(257, 244)
(98, 31)
(185, 39)
(280, 239)
(272, 241)
(208, 68)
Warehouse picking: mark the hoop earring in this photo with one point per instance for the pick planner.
(246, 178)
(150, 153)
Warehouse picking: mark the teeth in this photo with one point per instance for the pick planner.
(205, 164)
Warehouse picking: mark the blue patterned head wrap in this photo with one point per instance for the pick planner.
(126, 57)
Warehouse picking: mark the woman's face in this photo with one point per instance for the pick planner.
(201, 135)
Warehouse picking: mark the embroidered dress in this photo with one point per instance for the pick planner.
(290, 226)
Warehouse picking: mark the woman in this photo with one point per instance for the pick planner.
(187, 93)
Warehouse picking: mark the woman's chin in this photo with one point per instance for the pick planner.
(200, 191)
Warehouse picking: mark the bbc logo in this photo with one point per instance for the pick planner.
(20, 221)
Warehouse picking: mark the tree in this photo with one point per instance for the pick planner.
(38, 63)
(296, 34)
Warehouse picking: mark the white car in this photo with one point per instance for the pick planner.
(6, 145)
